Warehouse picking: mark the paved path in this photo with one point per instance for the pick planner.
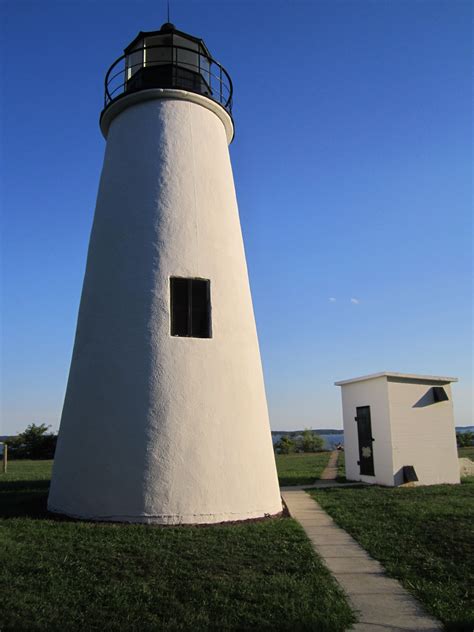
(330, 471)
(382, 604)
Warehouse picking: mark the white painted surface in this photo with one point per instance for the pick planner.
(423, 433)
(166, 93)
(408, 428)
(371, 393)
(158, 428)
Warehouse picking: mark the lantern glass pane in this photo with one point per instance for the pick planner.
(188, 59)
(134, 61)
(161, 55)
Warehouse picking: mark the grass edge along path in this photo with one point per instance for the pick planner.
(380, 601)
(341, 467)
(466, 452)
(76, 575)
(302, 468)
(424, 537)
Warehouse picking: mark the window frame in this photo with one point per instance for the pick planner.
(189, 333)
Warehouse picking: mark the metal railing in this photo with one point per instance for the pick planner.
(176, 67)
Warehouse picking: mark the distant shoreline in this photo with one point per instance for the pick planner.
(333, 437)
(326, 431)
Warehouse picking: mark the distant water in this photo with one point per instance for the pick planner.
(332, 440)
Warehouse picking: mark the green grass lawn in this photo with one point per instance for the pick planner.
(300, 469)
(341, 467)
(467, 453)
(59, 574)
(423, 536)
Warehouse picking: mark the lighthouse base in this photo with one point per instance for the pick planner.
(189, 519)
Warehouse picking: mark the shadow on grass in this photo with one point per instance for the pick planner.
(25, 499)
(291, 481)
(24, 505)
(34, 485)
(29, 499)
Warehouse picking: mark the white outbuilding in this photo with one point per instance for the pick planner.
(399, 428)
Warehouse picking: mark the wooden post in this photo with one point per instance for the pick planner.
(5, 457)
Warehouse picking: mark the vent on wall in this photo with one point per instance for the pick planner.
(439, 394)
(409, 474)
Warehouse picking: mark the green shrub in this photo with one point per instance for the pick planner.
(33, 443)
(310, 442)
(465, 439)
(285, 445)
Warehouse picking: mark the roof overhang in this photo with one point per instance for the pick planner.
(174, 31)
(400, 377)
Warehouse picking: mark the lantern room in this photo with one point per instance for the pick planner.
(168, 59)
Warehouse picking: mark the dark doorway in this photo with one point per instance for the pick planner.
(364, 432)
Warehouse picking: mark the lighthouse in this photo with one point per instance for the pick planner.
(165, 417)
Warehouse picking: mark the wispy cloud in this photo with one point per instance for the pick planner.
(332, 299)
(355, 301)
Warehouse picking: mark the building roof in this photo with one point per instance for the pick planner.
(166, 29)
(409, 377)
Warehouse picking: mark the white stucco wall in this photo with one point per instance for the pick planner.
(371, 393)
(423, 433)
(409, 428)
(158, 428)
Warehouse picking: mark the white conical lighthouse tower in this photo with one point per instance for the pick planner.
(165, 418)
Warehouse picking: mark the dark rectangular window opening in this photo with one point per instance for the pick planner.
(190, 307)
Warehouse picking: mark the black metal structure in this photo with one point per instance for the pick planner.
(364, 432)
(168, 58)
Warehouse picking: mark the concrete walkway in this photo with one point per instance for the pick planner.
(330, 471)
(382, 604)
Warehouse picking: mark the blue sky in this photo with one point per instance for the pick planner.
(351, 159)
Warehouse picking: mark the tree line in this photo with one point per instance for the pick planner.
(465, 439)
(33, 443)
(306, 442)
